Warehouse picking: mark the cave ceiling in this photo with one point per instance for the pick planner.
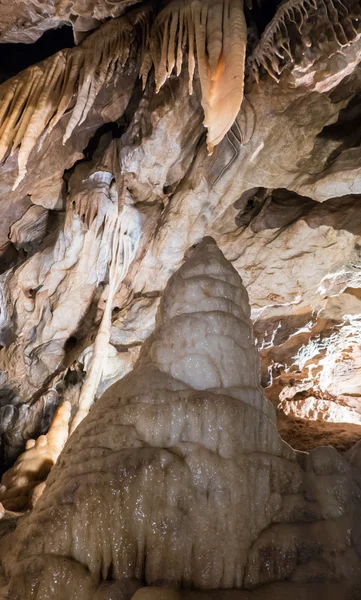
(128, 109)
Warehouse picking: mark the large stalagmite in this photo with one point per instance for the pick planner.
(178, 475)
(167, 479)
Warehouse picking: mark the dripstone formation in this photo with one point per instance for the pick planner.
(178, 476)
(204, 117)
(152, 154)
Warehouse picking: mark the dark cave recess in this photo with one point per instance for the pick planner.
(16, 57)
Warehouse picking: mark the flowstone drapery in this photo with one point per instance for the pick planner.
(297, 134)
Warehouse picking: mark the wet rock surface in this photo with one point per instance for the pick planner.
(280, 195)
(185, 440)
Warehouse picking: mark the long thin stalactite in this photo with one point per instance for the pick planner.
(124, 246)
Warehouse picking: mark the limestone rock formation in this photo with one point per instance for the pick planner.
(292, 146)
(23, 484)
(178, 475)
(131, 129)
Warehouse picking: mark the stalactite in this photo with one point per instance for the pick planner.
(274, 52)
(214, 33)
(125, 242)
(211, 33)
(35, 100)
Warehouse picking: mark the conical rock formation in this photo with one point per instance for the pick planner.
(178, 475)
(168, 478)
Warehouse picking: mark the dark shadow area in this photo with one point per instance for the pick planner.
(305, 435)
(262, 209)
(346, 130)
(261, 12)
(97, 145)
(16, 57)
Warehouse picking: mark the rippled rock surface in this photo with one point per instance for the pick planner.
(178, 476)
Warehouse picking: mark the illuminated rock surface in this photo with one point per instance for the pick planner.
(178, 475)
(106, 185)
(280, 194)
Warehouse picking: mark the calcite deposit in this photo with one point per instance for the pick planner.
(129, 131)
(23, 484)
(178, 475)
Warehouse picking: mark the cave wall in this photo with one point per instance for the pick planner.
(270, 201)
(280, 195)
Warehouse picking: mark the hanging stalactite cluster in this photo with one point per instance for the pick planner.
(214, 35)
(335, 22)
(209, 34)
(38, 97)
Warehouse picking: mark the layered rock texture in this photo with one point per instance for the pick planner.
(129, 130)
(178, 475)
(80, 139)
